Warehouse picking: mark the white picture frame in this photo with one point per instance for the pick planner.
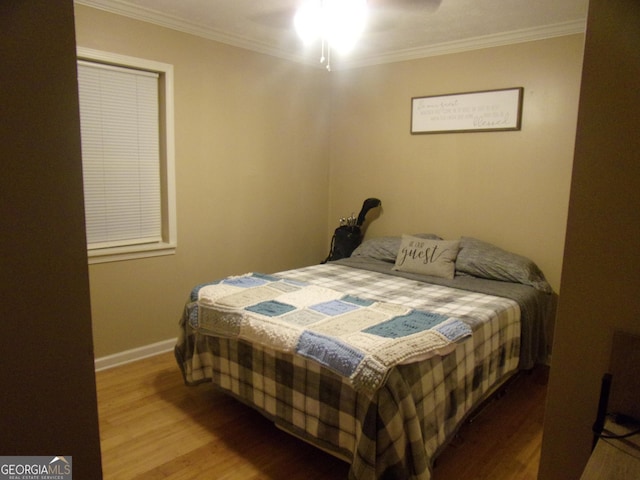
(482, 111)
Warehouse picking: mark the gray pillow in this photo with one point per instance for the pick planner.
(385, 248)
(427, 257)
(482, 259)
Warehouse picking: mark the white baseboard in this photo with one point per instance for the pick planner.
(129, 356)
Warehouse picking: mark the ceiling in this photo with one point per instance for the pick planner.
(396, 29)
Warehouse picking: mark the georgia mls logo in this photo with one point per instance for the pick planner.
(36, 468)
(63, 465)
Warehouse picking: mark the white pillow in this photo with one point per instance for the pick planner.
(427, 257)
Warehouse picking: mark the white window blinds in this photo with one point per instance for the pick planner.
(119, 123)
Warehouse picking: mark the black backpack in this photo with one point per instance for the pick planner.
(348, 235)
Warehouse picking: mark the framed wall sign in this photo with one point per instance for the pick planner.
(484, 111)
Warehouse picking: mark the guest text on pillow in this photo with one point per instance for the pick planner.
(427, 257)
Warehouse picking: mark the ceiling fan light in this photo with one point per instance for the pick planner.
(308, 21)
(337, 23)
(347, 24)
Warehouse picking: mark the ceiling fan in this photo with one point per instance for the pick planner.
(337, 24)
(283, 16)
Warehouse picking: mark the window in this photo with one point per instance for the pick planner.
(126, 122)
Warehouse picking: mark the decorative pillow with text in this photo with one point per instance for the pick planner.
(385, 248)
(427, 257)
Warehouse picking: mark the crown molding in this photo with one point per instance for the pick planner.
(469, 44)
(169, 21)
(487, 41)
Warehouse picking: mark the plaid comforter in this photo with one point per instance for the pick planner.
(397, 431)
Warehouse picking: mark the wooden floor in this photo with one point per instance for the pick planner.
(154, 427)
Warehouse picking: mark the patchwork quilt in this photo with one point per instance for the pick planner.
(394, 432)
(357, 338)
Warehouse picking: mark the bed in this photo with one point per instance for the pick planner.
(387, 371)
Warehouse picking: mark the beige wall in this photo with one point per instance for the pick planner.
(509, 188)
(270, 154)
(600, 276)
(251, 168)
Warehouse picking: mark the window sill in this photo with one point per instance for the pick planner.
(133, 252)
